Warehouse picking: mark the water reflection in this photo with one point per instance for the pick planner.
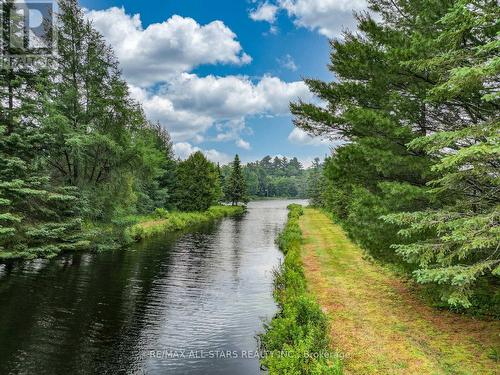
(110, 313)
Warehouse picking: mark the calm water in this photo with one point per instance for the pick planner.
(196, 296)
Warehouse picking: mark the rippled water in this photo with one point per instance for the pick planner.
(184, 304)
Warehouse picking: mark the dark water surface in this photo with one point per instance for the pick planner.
(197, 296)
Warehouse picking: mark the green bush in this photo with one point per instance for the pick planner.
(161, 213)
(296, 340)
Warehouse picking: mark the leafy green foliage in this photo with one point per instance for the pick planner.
(416, 100)
(278, 177)
(101, 141)
(296, 340)
(463, 235)
(198, 184)
(37, 218)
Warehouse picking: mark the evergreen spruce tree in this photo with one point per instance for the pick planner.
(377, 107)
(456, 244)
(417, 100)
(88, 112)
(38, 218)
(236, 185)
(273, 178)
(220, 192)
(316, 184)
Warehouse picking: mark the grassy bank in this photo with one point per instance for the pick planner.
(377, 319)
(162, 221)
(126, 230)
(296, 341)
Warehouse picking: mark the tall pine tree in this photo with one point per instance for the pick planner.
(416, 97)
(316, 184)
(235, 189)
(460, 246)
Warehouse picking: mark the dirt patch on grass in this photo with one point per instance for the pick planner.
(378, 323)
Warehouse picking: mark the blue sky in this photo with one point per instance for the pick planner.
(219, 74)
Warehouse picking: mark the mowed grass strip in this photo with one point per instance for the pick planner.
(378, 323)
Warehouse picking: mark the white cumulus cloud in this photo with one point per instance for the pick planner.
(182, 124)
(264, 12)
(287, 62)
(243, 144)
(179, 44)
(189, 105)
(183, 150)
(157, 62)
(300, 137)
(328, 17)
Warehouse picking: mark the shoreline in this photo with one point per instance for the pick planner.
(107, 236)
(296, 340)
(177, 221)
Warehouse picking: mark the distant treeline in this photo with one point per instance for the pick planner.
(416, 98)
(276, 177)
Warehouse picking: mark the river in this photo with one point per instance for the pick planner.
(188, 303)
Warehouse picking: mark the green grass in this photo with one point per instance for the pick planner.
(162, 221)
(378, 319)
(296, 340)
